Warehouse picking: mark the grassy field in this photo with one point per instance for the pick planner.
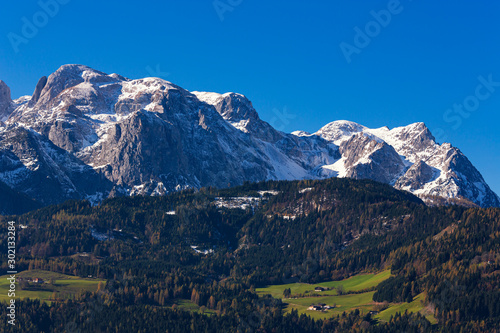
(347, 303)
(350, 302)
(416, 306)
(68, 285)
(360, 282)
(354, 283)
(46, 275)
(64, 285)
(187, 305)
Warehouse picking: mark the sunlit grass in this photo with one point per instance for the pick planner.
(64, 286)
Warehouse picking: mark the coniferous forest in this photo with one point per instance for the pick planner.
(215, 247)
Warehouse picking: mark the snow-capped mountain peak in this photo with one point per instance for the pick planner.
(86, 134)
(339, 131)
(425, 167)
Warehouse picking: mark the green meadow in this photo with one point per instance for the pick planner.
(187, 305)
(360, 281)
(416, 306)
(354, 283)
(347, 302)
(64, 286)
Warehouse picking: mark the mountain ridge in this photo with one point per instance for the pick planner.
(150, 137)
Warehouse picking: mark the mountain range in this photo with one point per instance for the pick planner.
(84, 134)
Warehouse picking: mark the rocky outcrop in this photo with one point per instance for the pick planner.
(365, 158)
(38, 91)
(416, 177)
(34, 166)
(6, 106)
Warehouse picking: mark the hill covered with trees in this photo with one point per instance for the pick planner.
(214, 247)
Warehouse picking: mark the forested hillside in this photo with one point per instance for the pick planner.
(213, 248)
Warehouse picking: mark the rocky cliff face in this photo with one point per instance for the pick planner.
(87, 134)
(6, 106)
(33, 165)
(416, 176)
(367, 158)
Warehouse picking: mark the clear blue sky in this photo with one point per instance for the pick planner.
(286, 55)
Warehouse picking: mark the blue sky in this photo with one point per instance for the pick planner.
(287, 58)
